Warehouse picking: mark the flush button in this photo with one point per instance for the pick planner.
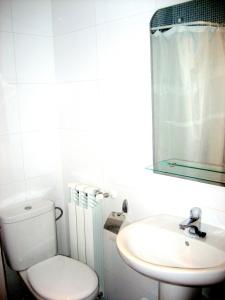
(28, 207)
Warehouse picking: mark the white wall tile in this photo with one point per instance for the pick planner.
(124, 48)
(80, 106)
(175, 196)
(38, 107)
(41, 153)
(214, 217)
(9, 109)
(34, 58)
(165, 3)
(32, 16)
(71, 15)
(5, 15)
(126, 107)
(139, 202)
(7, 57)
(129, 285)
(81, 157)
(126, 126)
(108, 10)
(12, 193)
(11, 159)
(118, 288)
(46, 187)
(75, 56)
(124, 161)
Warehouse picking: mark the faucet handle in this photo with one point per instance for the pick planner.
(195, 213)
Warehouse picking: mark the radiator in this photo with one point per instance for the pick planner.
(86, 227)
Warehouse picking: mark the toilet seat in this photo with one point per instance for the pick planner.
(61, 277)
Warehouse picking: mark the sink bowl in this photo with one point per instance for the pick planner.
(157, 248)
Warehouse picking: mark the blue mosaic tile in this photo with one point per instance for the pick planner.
(196, 10)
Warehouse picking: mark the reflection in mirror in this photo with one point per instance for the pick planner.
(188, 76)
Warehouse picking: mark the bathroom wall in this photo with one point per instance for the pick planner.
(29, 141)
(102, 61)
(75, 104)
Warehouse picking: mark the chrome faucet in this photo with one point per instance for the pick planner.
(193, 223)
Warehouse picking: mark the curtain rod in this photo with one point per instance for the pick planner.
(203, 23)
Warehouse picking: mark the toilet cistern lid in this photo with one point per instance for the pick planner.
(61, 277)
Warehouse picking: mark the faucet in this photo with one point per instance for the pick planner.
(193, 223)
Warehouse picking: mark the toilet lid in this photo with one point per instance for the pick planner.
(61, 277)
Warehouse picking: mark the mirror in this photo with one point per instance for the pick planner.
(188, 80)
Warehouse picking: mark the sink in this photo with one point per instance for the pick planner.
(157, 248)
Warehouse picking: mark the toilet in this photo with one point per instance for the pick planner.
(28, 235)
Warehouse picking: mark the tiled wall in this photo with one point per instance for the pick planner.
(102, 54)
(92, 121)
(29, 141)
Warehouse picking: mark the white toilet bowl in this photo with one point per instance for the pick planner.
(61, 278)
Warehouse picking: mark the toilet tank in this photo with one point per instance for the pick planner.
(28, 233)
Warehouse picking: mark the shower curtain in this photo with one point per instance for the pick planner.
(189, 93)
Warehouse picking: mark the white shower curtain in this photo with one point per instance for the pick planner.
(189, 93)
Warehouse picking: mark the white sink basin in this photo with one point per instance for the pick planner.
(157, 248)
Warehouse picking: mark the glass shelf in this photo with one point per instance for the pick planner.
(195, 171)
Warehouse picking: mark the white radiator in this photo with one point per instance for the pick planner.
(86, 227)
